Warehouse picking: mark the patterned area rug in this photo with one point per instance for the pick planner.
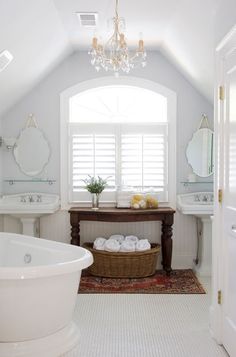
(179, 282)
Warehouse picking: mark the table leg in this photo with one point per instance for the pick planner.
(75, 229)
(166, 243)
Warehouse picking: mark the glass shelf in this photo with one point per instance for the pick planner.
(186, 183)
(14, 181)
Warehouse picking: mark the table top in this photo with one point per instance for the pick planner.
(119, 211)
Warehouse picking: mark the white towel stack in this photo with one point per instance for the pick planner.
(118, 237)
(143, 244)
(111, 245)
(119, 243)
(131, 239)
(127, 246)
(99, 243)
(123, 199)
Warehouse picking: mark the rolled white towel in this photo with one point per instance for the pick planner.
(118, 237)
(127, 246)
(111, 245)
(131, 239)
(99, 243)
(143, 244)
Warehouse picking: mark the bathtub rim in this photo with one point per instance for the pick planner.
(41, 271)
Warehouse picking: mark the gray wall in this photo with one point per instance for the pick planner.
(225, 19)
(44, 102)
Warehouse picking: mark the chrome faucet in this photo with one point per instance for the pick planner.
(31, 199)
(39, 198)
(205, 198)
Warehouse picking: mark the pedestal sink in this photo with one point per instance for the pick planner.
(200, 205)
(28, 207)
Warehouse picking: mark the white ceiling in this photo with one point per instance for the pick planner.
(40, 34)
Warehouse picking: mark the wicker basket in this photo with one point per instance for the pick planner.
(123, 265)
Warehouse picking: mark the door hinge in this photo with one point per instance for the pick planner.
(221, 93)
(220, 195)
(219, 297)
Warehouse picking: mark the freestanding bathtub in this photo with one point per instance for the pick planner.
(39, 281)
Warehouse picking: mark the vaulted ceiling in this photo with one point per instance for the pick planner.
(41, 33)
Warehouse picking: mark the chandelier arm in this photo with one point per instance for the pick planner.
(115, 54)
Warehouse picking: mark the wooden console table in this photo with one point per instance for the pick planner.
(164, 214)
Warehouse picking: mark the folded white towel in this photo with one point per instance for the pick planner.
(99, 243)
(131, 239)
(127, 246)
(111, 245)
(118, 237)
(143, 244)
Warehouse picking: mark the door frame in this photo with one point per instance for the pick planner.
(226, 46)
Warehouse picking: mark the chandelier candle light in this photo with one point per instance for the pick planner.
(115, 55)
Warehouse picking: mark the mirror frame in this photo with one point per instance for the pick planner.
(49, 149)
(187, 156)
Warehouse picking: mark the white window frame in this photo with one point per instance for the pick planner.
(101, 82)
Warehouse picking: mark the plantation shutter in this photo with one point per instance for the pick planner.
(94, 154)
(144, 159)
(130, 155)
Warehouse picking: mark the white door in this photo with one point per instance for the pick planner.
(227, 166)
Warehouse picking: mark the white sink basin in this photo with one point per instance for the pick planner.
(33, 204)
(28, 207)
(199, 204)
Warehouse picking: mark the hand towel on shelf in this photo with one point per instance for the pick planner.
(111, 245)
(127, 246)
(143, 244)
(131, 239)
(99, 243)
(118, 237)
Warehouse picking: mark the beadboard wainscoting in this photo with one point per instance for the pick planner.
(57, 227)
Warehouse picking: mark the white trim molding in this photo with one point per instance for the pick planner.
(223, 50)
(108, 81)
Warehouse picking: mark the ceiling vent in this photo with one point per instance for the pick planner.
(87, 19)
(5, 58)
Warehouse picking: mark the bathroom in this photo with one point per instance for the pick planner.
(40, 99)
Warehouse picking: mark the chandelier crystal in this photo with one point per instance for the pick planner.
(115, 55)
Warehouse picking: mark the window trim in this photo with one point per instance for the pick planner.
(106, 81)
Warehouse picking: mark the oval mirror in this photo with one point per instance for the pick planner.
(200, 152)
(31, 151)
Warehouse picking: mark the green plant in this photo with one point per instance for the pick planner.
(95, 185)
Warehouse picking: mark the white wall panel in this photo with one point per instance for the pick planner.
(1, 223)
(57, 227)
(1, 162)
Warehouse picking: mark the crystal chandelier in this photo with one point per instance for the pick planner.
(115, 55)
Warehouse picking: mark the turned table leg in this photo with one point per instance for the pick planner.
(166, 242)
(75, 229)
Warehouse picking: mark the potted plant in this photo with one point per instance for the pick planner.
(95, 186)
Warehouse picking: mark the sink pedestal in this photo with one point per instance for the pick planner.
(200, 205)
(28, 225)
(203, 268)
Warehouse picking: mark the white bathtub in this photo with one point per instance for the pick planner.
(39, 281)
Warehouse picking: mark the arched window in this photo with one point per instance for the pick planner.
(120, 131)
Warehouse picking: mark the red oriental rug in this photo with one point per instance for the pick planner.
(179, 282)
